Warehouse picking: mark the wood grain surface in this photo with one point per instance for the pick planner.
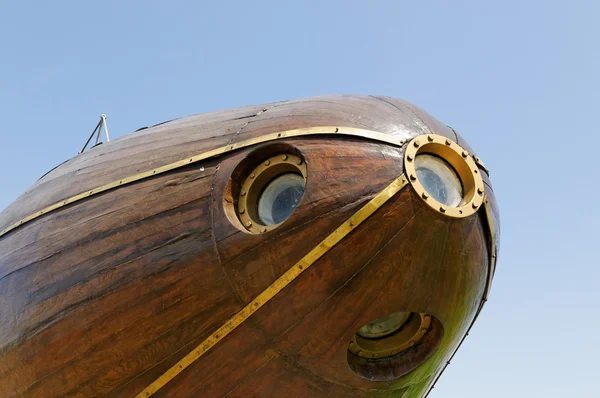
(103, 296)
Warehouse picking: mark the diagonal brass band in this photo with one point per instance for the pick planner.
(336, 236)
(347, 131)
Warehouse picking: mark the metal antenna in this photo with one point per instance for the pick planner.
(97, 130)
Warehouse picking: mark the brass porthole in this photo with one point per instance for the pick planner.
(271, 192)
(392, 346)
(389, 335)
(444, 175)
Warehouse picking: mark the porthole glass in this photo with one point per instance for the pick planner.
(271, 192)
(389, 335)
(389, 347)
(279, 198)
(439, 179)
(384, 326)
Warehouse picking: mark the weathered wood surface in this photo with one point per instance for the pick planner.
(103, 296)
(181, 138)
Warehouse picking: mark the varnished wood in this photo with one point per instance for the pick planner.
(103, 296)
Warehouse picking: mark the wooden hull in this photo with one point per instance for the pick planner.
(103, 296)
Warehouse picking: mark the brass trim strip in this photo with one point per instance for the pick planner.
(335, 237)
(480, 163)
(347, 131)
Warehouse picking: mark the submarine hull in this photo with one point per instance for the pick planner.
(109, 293)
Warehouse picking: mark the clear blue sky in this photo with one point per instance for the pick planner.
(518, 79)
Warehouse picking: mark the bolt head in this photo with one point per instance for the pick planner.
(430, 138)
(417, 143)
(268, 162)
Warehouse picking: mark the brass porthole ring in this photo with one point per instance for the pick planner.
(459, 192)
(255, 183)
(411, 332)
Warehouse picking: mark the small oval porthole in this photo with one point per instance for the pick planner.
(394, 345)
(271, 192)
